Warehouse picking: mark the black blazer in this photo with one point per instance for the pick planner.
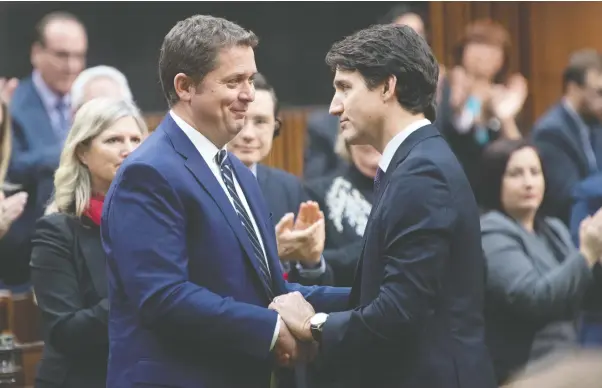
(557, 137)
(417, 299)
(69, 280)
(284, 193)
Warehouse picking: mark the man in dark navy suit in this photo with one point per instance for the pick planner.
(41, 116)
(191, 250)
(416, 308)
(569, 135)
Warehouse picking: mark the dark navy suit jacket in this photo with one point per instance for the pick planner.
(187, 307)
(417, 300)
(557, 138)
(35, 157)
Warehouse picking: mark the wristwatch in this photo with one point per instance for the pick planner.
(316, 323)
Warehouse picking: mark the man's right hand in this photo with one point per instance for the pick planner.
(286, 348)
(289, 351)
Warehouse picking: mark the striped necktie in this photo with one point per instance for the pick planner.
(226, 170)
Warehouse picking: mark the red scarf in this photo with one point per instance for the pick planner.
(94, 210)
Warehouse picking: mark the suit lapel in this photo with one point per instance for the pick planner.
(204, 176)
(573, 135)
(399, 156)
(31, 113)
(93, 255)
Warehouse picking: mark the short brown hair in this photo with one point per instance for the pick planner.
(192, 47)
(488, 32)
(579, 63)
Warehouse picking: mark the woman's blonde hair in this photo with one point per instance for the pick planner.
(72, 180)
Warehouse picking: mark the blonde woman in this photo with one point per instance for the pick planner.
(67, 261)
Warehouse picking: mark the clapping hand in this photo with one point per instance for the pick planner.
(7, 88)
(302, 239)
(590, 236)
(506, 101)
(10, 209)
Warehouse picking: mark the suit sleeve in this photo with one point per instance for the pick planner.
(26, 165)
(70, 328)
(416, 228)
(146, 243)
(561, 173)
(515, 283)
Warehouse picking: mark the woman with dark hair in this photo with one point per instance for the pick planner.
(480, 99)
(536, 278)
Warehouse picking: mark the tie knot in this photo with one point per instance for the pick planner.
(221, 157)
(60, 105)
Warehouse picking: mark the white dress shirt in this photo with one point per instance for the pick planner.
(396, 142)
(208, 151)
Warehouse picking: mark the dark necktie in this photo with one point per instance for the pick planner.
(226, 170)
(377, 179)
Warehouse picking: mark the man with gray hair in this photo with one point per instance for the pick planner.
(99, 81)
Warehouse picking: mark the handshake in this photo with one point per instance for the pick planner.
(295, 343)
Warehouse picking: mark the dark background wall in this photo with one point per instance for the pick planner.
(294, 38)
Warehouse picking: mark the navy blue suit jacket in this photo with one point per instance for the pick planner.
(556, 136)
(35, 157)
(417, 300)
(187, 307)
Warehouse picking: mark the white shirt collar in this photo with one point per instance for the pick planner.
(394, 143)
(206, 148)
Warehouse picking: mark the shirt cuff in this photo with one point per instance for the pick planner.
(312, 273)
(276, 332)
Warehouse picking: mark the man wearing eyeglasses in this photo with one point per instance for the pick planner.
(41, 114)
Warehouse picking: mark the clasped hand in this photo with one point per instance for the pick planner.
(295, 343)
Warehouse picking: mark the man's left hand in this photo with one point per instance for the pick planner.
(296, 312)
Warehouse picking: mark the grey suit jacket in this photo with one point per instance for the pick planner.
(535, 284)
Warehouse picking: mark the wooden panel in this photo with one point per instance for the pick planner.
(556, 30)
(287, 151)
(31, 353)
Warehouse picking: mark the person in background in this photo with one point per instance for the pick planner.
(284, 192)
(41, 118)
(536, 278)
(346, 199)
(569, 134)
(587, 200)
(286, 197)
(405, 14)
(67, 260)
(99, 81)
(480, 100)
(11, 207)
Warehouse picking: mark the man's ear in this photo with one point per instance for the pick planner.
(185, 86)
(389, 88)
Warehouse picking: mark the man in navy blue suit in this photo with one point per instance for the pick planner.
(191, 250)
(415, 316)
